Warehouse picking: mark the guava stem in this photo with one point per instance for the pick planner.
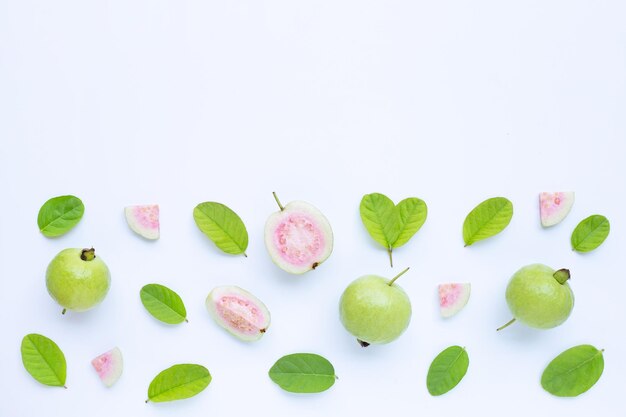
(147, 400)
(390, 258)
(278, 201)
(64, 310)
(397, 276)
(506, 325)
(562, 275)
(244, 254)
(64, 387)
(362, 343)
(88, 254)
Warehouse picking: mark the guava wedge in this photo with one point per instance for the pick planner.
(109, 366)
(554, 207)
(298, 237)
(453, 297)
(239, 312)
(144, 220)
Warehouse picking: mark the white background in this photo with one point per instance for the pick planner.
(179, 102)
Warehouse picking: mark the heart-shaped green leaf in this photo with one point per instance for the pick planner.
(164, 304)
(573, 372)
(303, 373)
(447, 370)
(43, 359)
(223, 226)
(178, 382)
(390, 225)
(487, 219)
(59, 215)
(590, 233)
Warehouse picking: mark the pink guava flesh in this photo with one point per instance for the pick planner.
(239, 312)
(453, 297)
(554, 207)
(109, 366)
(144, 220)
(298, 239)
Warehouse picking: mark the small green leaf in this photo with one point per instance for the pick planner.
(43, 359)
(223, 226)
(447, 370)
(390, 225)
(59, 215)
(164, 304)
(573, 372)
(303, 373)
(178, 382)
(590, 233)
(487, 219)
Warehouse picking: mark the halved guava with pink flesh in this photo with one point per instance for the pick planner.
(553, 207)
(298, 237)
(453, 297)
(239, 312)
(109, 366)
(144, 220)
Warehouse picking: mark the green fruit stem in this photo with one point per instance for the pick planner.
(506, 325)
(562, 275)
(88, 254)
(278, 201)
(397, 276)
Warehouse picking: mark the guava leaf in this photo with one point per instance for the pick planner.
(590, 233)
(573, 371)
(43, 359)
(178, 382)
(303, 373)
(223, 226)
(59, 215)
(163, 304)
(447, 370)
(413, 212)
(487, 219)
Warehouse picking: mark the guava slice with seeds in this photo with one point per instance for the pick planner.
(554, 207)
(298, 237)
(144, 220)
(239, 312)
(453, 297)
(109, 366)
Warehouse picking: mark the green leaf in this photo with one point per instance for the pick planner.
(573, 372)
(59, 215)
(178, 382)
(223, 226)
(447, 370)
(487, 219)
(390, 225)
(590, 233)
(43, 359)
(164, 304)
(303, 373)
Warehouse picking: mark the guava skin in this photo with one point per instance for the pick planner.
(373, 311)
(77, 284)
(537, 298)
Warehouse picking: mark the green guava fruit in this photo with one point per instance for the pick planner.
(77, 279)
(539, 296)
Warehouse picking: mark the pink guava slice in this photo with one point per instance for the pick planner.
(553, 207)
(298, 237)
(144, 220)
(239, 312)
(453, 297)
(109, 366)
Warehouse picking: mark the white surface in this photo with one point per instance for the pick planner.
(177, 103)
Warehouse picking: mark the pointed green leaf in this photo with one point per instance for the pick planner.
(59, 215)
(413, 214)
(178, 382)
(590, 233)
(43, 359)
(447, 370)
(487, 219)
(223, 226)
(303, 373)
(573, 372)
(381, 218)
(164, 304)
